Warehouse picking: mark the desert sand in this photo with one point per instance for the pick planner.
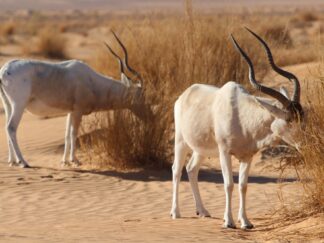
(47, 203)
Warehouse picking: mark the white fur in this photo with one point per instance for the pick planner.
(53, 89)
(225, 121)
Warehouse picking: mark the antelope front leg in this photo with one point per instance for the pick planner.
(243, 182)
(226, 164)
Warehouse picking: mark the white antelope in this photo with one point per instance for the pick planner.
(69, 87)
(227, 121)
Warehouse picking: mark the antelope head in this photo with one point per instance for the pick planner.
(134, 85)
(291, 112)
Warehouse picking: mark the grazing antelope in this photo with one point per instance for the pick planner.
(230, 121)
(69, 87)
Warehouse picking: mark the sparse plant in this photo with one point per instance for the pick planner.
(309, 161)
(278, 34)
(51, 44)
(307, 17)
(7, 29)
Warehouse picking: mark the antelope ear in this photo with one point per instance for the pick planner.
(284, 91)
(274, 110)
(125, 80)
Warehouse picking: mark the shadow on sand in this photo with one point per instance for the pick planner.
(205, 175)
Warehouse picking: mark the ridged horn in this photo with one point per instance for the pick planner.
(271, 92)
(288, 75)
(126, 59)
(121, 65)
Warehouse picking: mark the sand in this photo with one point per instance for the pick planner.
(47, 203)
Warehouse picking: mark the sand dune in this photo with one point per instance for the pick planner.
(49, 204)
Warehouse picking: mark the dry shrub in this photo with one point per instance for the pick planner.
(171, 53)
(117, 144)
(307, 17)
(304, 19)
(7, 29)
(289, 50)
(286, 57)
(51, 44)
(309, 160)
(278, 33)
(312, 151)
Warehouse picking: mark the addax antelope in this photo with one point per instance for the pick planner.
(69, 88)
(228, 121)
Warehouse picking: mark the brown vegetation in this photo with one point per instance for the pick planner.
(278, 34)
(306, 17)
(7, 29)
(308, 161)
(51, 44)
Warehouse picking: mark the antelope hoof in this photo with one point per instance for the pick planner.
(245, 224)
(175, 214)
(203, 213)
(249, 226)
(75, 163)
(12, 164)
(23, 164)
(65, 163)
(229, 226)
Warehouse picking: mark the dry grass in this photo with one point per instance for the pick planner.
(308, 161)
(312, 151)
(307, 17)
(287, 57)
(278, 33)
(7, 29)
(51, 44)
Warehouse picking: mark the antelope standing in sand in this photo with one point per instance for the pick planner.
(69, 87)
(230, 121)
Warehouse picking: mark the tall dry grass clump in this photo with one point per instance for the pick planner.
(308, 161)
(278, 33)
(7, 28)
(311, 152)
(51, 44)
(7, 31)
(171, 53)
(306, 16)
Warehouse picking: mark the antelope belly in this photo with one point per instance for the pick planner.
(39, 108)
